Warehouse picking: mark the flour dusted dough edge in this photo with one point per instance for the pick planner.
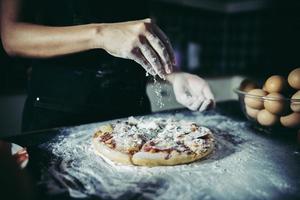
(175, 158)
(114, 155)
(103, 150)
(147, 158)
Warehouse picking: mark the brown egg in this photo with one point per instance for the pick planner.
(266, 118)
(276, 105)
(264, 87)
(294, 79)
(295, 106)
(255, 101)
(252, 112)
(275, 84)
(291, 120)
(247, 85)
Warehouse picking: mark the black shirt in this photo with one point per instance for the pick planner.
(91, 82)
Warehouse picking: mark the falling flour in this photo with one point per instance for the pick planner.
(157, 88)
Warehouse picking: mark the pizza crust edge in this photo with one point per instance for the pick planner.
(175, 158)
(114, 155)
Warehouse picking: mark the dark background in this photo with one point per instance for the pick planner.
(253, 42)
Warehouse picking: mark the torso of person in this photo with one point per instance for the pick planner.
(86, 86)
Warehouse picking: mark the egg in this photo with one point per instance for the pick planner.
(294, 79)
(255, 101)
(295, 105)
(275, 84)
(291, 120)
(264, 87)
(252, 112)
(276, 104)
(247, 85)
(266, 118)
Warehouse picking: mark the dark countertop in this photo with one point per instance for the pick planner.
(267, 164)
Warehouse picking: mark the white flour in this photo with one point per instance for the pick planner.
(241, 167)
(157, 88)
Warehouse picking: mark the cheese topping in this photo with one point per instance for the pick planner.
(161, 134)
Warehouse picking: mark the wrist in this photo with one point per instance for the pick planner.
(98, 36)
(171, 77)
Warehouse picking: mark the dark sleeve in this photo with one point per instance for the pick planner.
(72, 12)
(28, 11)
(47, 12)
(112, 10)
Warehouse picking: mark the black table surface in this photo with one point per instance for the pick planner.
(230, 109)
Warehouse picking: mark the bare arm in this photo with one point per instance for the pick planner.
(141, 40)
(30, 40)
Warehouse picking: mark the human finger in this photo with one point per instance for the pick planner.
(207, 92)
(166, 42)
(161, 50)
(151, 56)
(196, 104)
(205, 105)
(138, 57)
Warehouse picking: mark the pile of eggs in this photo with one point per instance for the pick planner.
(278, 102)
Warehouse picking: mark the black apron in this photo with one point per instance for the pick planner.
(88, 86)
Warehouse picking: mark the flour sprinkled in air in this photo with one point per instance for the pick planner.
(157, 88)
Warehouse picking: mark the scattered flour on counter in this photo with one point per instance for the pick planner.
(240, 167)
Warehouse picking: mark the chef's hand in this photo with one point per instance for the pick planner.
(141, 41)
(191, 91)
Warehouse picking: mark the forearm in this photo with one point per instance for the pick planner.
(30, 40)
(140, 40)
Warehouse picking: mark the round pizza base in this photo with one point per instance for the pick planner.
(143, 158)
(163, 159)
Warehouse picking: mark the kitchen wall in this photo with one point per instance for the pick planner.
(188, 27)
(262, 40)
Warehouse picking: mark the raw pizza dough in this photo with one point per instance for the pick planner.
(153, 141)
